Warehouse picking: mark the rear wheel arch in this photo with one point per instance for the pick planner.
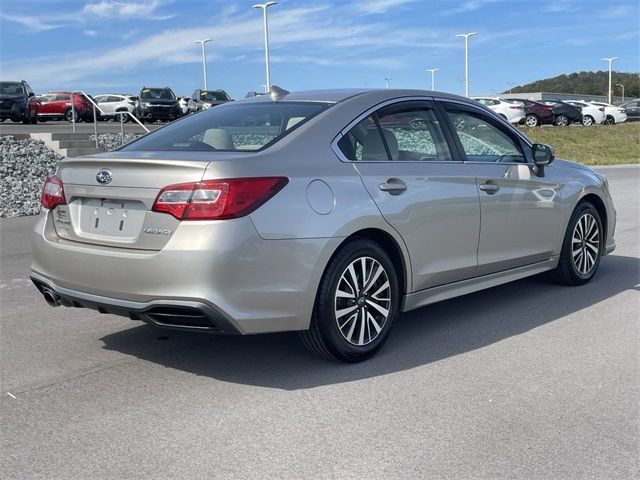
(391, 247)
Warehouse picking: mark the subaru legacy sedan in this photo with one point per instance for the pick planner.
(325, 212)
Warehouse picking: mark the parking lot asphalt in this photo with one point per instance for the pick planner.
(527, 380)
(11, 128)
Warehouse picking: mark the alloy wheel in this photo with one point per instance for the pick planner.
(362, 301)
(585, 244)
(531, 121)
(562, 121)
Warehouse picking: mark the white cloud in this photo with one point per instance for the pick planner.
(32, 22)
(90, 33)
(120, 9)
(375, 7)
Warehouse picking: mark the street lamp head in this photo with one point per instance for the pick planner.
(432, 69)
(264, 5)
(203, 41)
(467, 35)
(609, 59)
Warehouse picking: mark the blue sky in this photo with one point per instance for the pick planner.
(119, 45)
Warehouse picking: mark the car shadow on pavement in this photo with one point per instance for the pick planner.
(425, 335)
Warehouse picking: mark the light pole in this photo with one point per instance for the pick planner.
(622, 87)
(433, 77)
(466, 60)
(264, 7)
(610, 60)
(386, 81)
(204, 59)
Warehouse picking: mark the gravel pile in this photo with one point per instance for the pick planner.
(110, 141)
(24, 165)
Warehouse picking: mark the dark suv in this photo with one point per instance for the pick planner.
(18, 103)
(157, 103)
(203, 99)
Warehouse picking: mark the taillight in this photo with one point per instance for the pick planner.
(516, 107)
(547, 107)
(217, 199)
(52, 192)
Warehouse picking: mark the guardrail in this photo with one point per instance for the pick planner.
(120, 114)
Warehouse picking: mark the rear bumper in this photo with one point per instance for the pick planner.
(174, 314)
(239, 282)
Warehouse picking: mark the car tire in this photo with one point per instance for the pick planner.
(68, 115)
(532, 121)
(581, 253)
(125, 118)
(351, 320)
(588, 120)
(610, 120)
(561, 121)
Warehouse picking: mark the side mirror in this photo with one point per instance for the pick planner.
(31, 94)
(543, 155)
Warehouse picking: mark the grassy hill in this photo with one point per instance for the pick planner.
(586, 83)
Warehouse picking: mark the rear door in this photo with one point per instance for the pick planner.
(521, 213)
(402, 156)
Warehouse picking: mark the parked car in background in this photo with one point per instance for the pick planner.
(157, 103)
(110, 103)
(404, 198)
(536, 114)
(18, 102)
(564, 114)
(511, 112)
(632, 108)
(57, 106)
(613, 114)
(591, 114)
(184, 105)
(203, 99)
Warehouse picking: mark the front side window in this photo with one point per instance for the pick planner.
(482, 141)
(408, 131)
(231, 127)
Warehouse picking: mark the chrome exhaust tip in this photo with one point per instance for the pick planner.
(52, 299)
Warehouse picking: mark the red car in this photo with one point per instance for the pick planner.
(536, 114)
(57, 106)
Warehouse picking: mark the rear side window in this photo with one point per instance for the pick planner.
(231, 127)
(407, 131)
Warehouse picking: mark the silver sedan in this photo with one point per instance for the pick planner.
(326, 212)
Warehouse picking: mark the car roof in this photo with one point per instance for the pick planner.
(340, 95)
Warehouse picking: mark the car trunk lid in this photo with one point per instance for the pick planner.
(109, 198)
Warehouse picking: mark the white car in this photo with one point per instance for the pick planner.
(511, 112)
(110, 103)
(591, 114)
(184, 105)
(613, 114)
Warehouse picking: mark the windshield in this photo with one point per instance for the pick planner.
(11, 88)
(213, 96)
(157, 94)
(230, 127)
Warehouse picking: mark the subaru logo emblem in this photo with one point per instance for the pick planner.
(104, 176)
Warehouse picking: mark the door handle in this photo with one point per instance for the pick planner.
(489, 188)
(394, 186)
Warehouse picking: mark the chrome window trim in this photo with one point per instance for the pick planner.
(375, 108)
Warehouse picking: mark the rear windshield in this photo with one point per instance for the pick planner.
(213, 96)
(230, 127)
(157, 94)
(10, 88)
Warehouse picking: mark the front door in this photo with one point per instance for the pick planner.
(521, 213)
(403, 159)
